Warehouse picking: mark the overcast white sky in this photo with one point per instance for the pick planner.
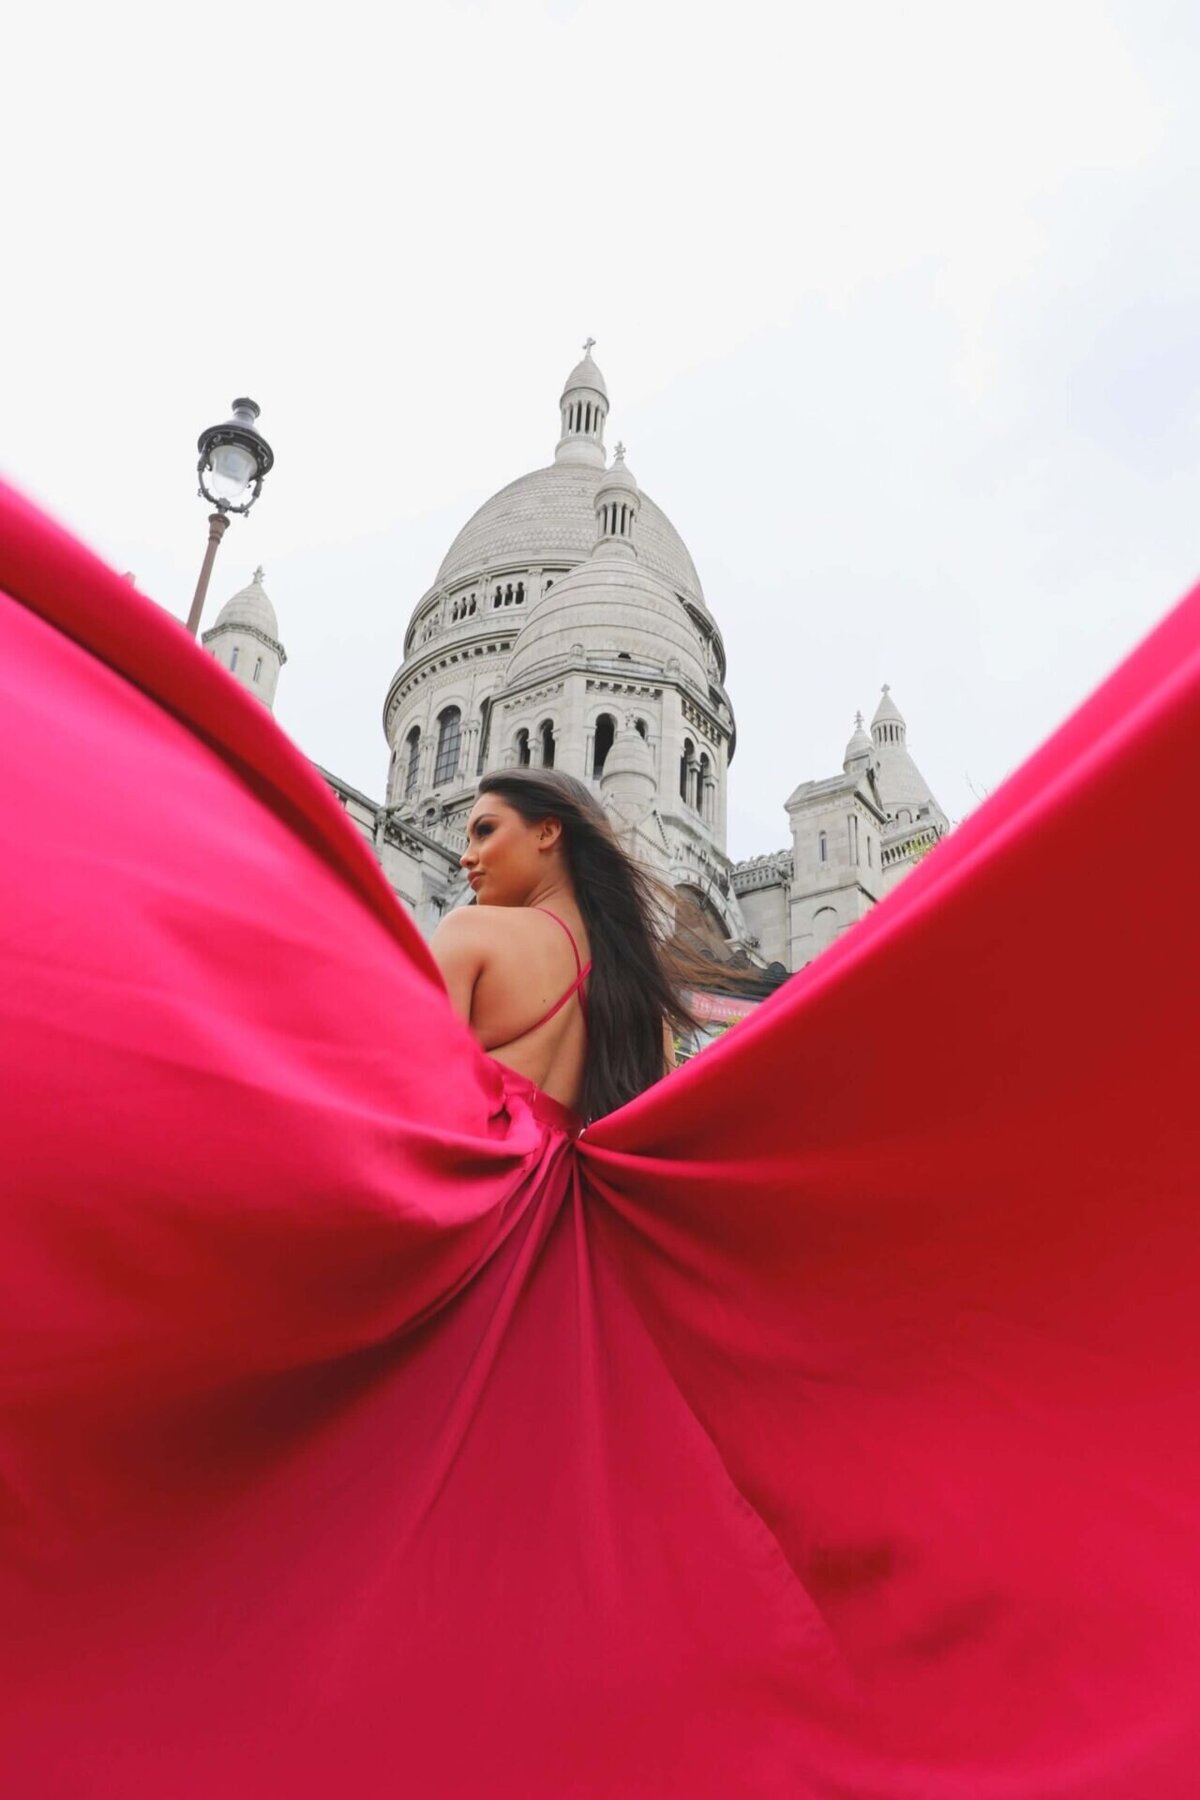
(898, 305)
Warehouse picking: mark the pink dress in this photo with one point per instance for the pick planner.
(822, 1423)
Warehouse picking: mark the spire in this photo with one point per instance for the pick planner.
(618, 502)
(903, 790)
(888, 727)
(583, 409)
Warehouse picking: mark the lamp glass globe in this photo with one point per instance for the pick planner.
(233, 469)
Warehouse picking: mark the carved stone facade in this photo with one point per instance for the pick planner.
(567, 627)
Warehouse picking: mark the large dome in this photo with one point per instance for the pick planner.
(549, 516)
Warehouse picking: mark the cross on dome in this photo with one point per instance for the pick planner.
(858, 720)
(619, 453)
(589, 346)
(259, 573)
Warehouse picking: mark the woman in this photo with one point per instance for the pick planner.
(562, 966)
(820, 1424)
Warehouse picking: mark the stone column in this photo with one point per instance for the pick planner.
(467, 746)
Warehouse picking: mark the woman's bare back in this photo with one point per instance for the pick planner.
(506, 968)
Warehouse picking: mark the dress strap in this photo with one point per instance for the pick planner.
(569, 932)
(582, 971)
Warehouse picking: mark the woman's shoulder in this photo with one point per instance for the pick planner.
(475, 939)
(485, 925)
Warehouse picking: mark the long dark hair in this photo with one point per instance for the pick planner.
(639, 965)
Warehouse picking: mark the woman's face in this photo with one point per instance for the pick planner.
(506, 856)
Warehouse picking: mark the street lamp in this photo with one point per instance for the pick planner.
(234, 458)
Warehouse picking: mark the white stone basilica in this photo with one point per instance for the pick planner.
(567, 627)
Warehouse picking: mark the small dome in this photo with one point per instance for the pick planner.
(618, 476)
(585, 374)
(250, 606)
(615, 606)
(630, 756)
(860, 746)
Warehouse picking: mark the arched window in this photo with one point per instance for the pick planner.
(412, 769)
(641, 727)
(449, 736)
(522, 749)
(825, 926)
(854, 840)
(257, 667)
(498, 597)
(823, 846)
(606, 731)
(870, 856)
(702, 778)
(547, 736)
(687, 763)
(233, 661)
(587, 417)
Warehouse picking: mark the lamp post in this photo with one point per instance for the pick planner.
(234, 458)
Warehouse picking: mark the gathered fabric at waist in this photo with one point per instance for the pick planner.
(546, 1110)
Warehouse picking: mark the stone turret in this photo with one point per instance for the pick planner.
(859, 751)
(583, 407)
(618, 502)
(245, 640)
(629, 782)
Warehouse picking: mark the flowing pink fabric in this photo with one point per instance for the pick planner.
(825, 1423)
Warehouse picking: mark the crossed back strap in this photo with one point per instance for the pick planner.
(581, 973)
